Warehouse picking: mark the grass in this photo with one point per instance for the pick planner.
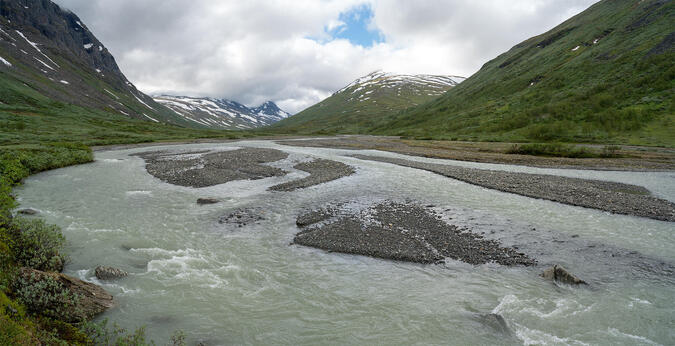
(618, 90)
(350, 112)
(614, 91)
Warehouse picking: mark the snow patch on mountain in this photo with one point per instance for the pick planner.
(221, 113)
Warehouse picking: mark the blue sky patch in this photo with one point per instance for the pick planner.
(354, 26)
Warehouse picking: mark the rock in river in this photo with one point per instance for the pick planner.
(202, 201)
(560, 274)
(109, 273)
(496, 322)
(28, 211)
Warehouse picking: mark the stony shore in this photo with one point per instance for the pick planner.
(320, 171)
(200, 169)
(635, 158)
(402, 232)
(613, 197)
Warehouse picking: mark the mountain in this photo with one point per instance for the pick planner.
(47, 54)
(220, 113)
(605, 75)
(368, 100)
(271, 111)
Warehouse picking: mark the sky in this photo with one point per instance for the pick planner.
(298, 52)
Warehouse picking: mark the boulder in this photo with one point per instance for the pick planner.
(202, 201)
(28, 211)
(91, 299)
(109, 273)
(560, 274)
(496, 322)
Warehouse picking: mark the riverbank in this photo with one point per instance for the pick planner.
(634, 158)
(613, 197)
(34, 308)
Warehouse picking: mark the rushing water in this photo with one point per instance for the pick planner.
(226, 285)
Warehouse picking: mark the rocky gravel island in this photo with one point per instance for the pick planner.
(402, 232)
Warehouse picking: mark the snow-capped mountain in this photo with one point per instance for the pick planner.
(271, 111)
(221, 113)
(368, 99)
(430, 85)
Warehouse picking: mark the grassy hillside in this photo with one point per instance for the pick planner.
(47, 50)
(363, 103)
(606, 75)
(33, 118)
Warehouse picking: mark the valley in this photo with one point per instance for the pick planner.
(531, 202)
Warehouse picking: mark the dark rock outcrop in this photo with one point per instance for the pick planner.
(559, 274)
(109, 273)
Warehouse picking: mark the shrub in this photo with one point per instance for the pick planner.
(44, 295)
(101, 333)
(36, 244)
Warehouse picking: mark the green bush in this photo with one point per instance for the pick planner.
(44, 295)
(102, 334)
(36, 244)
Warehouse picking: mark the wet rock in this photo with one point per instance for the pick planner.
(92, 299)
(242, 217)
(496, 322)
(28, 211)
(202, 201)
(109, 273)
(559, 274)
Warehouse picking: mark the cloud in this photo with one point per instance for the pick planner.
(257, 50)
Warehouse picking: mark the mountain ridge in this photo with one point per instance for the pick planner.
(366, 100)
(603, 76)
(51, 52)
(222, 113)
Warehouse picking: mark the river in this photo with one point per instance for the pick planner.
(229, 285)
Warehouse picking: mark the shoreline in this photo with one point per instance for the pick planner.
(654, 159)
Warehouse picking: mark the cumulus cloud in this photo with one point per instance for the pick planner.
(288, 51)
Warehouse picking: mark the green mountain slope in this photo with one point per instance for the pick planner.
(48, 51)
(605, 75)
(364, 102)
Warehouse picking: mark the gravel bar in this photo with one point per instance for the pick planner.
(320, 170)
(613, 197)
(201, 170)
(402, 232)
